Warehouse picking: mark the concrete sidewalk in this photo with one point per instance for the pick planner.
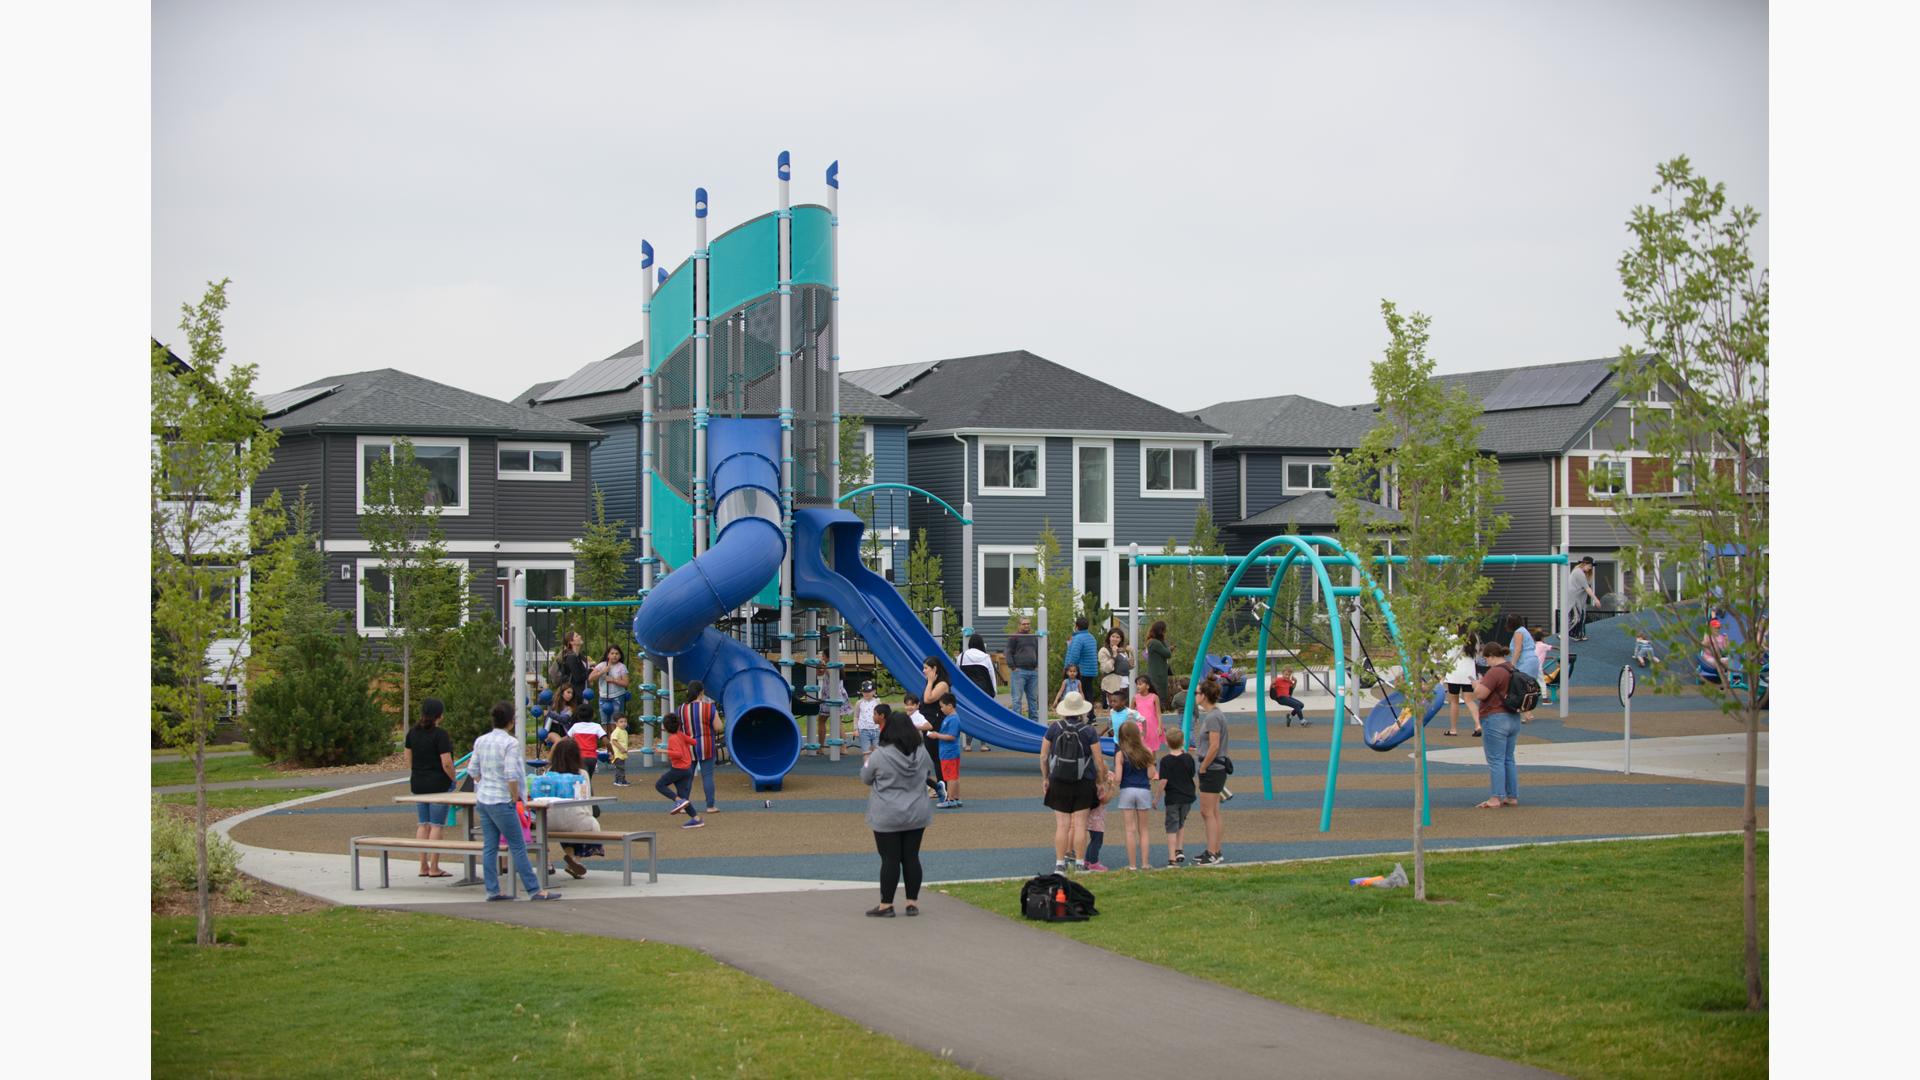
(1719, 758)
(996, 996)
(332, 782)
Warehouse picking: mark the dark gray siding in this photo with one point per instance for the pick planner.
(1527, 493)
(296, 464)
(935, 465)
(1147, 522)
(892, 508)
(1224, 491)
(1592, 532)
(538, 509)
(613, 471)
(1266, 479)
(342, 595)
(343, 497)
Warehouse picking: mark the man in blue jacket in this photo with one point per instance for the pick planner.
(1083, 650)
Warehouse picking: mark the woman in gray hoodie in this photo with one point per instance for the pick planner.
(897, 809)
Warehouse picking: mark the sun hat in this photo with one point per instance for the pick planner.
(1113, 682)
(1074, 705)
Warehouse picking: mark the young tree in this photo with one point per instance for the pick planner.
(207, 447)
(1702, 311)
(1184, 596)
(416, 593)
(288, 599)
(926, 590)
(601, 555)
(1049, 586)
(1426, 447)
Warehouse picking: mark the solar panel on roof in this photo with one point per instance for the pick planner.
(884, 381)
(1540, 388)
(616, 372)
(289, 400)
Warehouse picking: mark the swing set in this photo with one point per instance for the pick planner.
(1388, 722)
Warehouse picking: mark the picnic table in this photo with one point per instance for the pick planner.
(539, 807)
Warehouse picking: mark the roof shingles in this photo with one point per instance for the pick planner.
(1018, 391)
(394, 402)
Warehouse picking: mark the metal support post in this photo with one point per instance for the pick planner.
(702, 271)
(784, 270)
(649, 699)
(1040, 628)
(517, 629)
(1134, 579)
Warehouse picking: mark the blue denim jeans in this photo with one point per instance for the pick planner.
(498, 820)
(1026, 686)
(705, 768)
(1500, 731)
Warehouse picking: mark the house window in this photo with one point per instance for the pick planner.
(444, 459)
(534, 461)
(1606, 477)
(879, 559)
(1012, 468)
(1172, 471)
(1309, 476)
(227, 591)
(374, 616)
(1683, 478)
(997, 570)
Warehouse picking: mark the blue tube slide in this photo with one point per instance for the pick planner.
(676, 620)
(874, 608)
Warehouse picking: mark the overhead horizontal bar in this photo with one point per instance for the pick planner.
(1345, 560)
(542, 605)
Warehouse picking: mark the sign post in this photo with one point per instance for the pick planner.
(1626, 704)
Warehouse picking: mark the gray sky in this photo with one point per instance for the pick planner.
(1193, 202)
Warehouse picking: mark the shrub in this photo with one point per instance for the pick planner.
(319, 709)
(173, 857)
(468, 670)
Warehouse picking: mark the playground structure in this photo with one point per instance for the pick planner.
(740, 436)
(1315, 555)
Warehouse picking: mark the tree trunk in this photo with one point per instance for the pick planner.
(1756, 996)
(406, 683)
(203, 933)
(1419, 835)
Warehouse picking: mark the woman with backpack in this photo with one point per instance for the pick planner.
(1071, 773)
(898, 816)
(1521, 653)
(1500, 728)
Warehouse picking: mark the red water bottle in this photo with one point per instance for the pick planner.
(1060, 902)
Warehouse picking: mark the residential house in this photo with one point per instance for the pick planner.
(1552, 427)
(511, 483)
(1031, 442)
(606, 395)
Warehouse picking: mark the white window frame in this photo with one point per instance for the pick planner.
(360, 568)
(1286, 468)
(1197, 491)
(984, 550)
(360, 444)
(1595, 465)
(1039, 442)
(566, 461)
(883, 555)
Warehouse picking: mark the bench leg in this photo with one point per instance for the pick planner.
(653, 863)
(384, 883)
(626, 862)
(353, 860)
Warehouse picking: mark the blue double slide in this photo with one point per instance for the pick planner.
(676, 621)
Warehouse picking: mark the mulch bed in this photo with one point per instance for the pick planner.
(395, 762)
(267, 900)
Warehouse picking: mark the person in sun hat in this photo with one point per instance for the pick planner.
(1071, 773)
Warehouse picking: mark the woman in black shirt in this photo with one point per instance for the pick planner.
(430, 749)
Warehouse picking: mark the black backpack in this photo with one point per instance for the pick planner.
(1070, 759)
(1040, 899)
(1523, 691)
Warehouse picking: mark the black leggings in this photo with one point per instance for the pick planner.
(899, 850)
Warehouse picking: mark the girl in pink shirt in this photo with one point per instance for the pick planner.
(1147, 704)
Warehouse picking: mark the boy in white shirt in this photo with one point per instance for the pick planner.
(865, 728)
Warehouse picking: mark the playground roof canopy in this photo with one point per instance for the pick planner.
(1018, 391)
(394, 402)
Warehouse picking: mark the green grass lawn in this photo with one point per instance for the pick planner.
(1594, 960)
(242, 798)
(220, 767)
(218, 748)
(348, 992)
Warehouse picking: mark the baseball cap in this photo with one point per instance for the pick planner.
(866, 686)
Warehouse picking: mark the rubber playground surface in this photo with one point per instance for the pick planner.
(815, 829)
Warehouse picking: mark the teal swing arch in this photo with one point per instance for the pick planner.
(1317, 554)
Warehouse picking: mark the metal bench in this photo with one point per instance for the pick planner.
(626, 850)
(386, 845)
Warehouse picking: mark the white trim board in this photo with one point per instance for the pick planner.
(503, 548)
